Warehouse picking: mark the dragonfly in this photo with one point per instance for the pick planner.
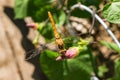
(59, 41)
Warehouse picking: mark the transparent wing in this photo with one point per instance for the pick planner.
(32, 53)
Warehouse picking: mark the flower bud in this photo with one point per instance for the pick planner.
(72, 52)
(32, 25)
(59, 58)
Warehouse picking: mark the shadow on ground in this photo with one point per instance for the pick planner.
(26, 43)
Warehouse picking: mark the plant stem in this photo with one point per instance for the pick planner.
(92, 61)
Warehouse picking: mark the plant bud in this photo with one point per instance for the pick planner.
(32, 25)
(72, 52)
(59, 58)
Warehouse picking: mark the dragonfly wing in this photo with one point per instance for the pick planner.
(31, 54)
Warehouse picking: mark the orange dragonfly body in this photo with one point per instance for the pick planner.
(59, 40)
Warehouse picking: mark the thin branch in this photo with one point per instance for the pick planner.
(83, 7)
(93, 19)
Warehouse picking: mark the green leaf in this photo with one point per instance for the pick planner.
(21, 8)
(71, 41)
(38, 9)
(102, 69)
(111, 12)
(47, 32)
(52, 68)
(115, 0)
(51, 54)
(111, 46)
(79, 68)
(59, 18)
(62, 18)
(117, 70)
